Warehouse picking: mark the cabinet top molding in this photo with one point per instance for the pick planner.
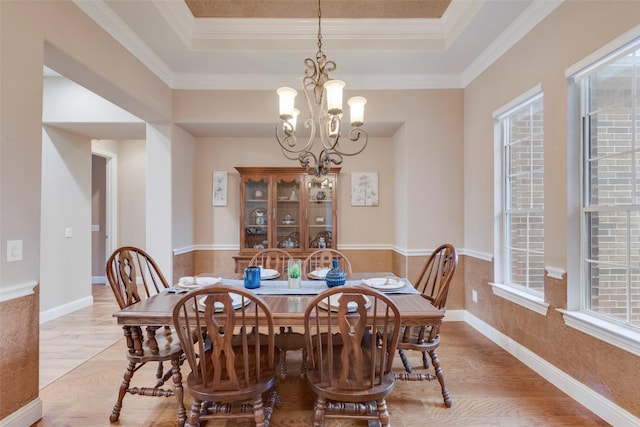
(276, 169)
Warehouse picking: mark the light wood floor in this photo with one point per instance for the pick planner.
(489, 387)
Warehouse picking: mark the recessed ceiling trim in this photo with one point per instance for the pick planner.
(356, 82)
(308, 29)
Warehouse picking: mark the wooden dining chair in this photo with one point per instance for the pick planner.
(351, 334)
(133, 276)
(228, 339)
(322, 259)
(433, 284)
(273, 258)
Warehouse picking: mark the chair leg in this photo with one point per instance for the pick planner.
(258, 412)
(304, 367)
(425, 360)
(194, 415)
(436, 366)
(405, 360)
(177, 382)
(128, 373)
(383, 413)
(318, 412)
(283, 365)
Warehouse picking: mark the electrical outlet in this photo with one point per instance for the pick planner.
(474, 296)
(68, 232)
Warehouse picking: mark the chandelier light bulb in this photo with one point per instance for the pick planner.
(357, 104)
(294, 119)
(287, 97)
(334, 96)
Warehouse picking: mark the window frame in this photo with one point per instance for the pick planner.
(502, 285)
(577, 315)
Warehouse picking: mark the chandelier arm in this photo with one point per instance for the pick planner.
(354, 136)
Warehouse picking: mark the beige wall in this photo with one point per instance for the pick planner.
(132, 188)
(574, 30)
(420, 166)
(219, 225)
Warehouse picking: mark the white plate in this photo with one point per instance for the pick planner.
(320, 273)
(206, 281)
(384, 283)
(236, 302)
(351, 306)
(267, 273)
(197, 282)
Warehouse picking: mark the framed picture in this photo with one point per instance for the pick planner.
(364, 188)
(220, 188)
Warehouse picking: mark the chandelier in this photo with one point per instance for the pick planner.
(323, 116)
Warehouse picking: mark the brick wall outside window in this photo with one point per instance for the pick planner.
(524, 196)
(612, 199)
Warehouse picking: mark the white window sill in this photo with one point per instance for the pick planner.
(609, 332)
(525, 299)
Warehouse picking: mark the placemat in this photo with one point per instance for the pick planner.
(307, 287)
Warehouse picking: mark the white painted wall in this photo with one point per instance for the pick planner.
(183, 157)
(159, 197)
(66, 207)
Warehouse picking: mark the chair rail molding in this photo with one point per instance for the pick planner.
(555, 272)
(17, 291)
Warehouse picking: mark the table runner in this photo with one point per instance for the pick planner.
(308, 287)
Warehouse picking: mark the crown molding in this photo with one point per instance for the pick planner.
(113, 25)
(519, 28)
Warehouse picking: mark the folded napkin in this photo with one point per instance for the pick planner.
(205, 281)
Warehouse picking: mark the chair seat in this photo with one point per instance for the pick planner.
(418, 340)
(200, 391)
(158, 349)
(359, 396)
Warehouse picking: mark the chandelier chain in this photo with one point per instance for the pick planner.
(319, 31)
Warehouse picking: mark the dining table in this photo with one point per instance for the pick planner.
(287, 304)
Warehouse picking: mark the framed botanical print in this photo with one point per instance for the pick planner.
(220, 188)
(364, 188)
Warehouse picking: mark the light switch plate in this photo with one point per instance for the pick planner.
(14, 250)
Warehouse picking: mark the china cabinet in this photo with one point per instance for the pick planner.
(286, 208)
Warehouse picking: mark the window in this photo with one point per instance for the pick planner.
(520, 246)
(610, 178)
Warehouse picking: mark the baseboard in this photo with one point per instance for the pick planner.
(595, 402)
(25, 416)
(98, 280)
(455, 316)
(67, 308)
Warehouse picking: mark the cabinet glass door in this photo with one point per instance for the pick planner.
(256, 213)
(288, 214)
(320, 217)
